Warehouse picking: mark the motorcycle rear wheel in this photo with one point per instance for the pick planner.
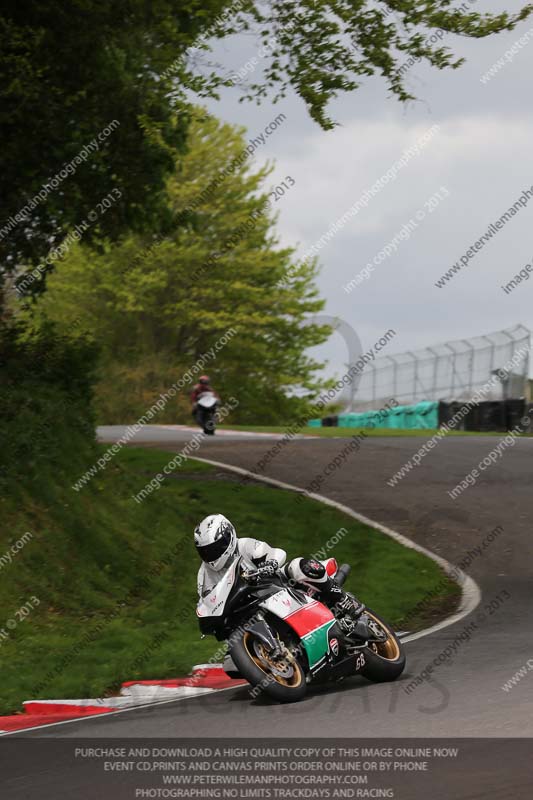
(283, 681)
(384, 661)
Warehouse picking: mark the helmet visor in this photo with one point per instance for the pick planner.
(212, 552)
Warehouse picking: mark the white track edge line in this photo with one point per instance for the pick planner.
(471, 593)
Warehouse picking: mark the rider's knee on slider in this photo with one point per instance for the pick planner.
(312, 573)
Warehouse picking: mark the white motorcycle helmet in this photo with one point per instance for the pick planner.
(216, 541)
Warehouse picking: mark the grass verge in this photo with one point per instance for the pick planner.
(115, 580)
(347, 432)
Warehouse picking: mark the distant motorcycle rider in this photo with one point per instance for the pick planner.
(205, 418)
(218, 546)
(203, 385)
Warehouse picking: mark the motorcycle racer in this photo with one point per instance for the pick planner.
(204, 414)
(218, 546)
(203, 385)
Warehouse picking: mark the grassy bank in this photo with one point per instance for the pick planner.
(346, 432)
(115, 580)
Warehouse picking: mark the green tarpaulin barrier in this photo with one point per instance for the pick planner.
(423, 415)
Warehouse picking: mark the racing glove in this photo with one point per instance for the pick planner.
(270, 568)
(267, 570)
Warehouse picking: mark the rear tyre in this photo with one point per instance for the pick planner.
(282, 680)
(384, 661)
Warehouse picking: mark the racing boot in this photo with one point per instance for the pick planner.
(346, 608)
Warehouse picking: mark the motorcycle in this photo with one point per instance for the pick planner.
(281, 639)
(206, 410)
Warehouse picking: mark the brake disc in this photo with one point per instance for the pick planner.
(282, 668)
(377, 630)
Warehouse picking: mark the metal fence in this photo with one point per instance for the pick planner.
(451, 371)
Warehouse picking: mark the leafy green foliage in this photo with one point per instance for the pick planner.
(47, 421)
(323, 48)
(68, 70)
(157, 305)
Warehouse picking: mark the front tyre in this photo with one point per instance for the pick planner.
(282, 679)
(209, 422)
(384, 661)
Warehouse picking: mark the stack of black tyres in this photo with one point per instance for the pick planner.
(489, 415)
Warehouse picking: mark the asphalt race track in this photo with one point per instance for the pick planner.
(464, 697)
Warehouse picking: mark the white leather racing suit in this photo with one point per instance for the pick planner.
(253, 552)
(304, 571)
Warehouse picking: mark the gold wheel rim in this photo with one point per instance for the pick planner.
(389, 649)
(291, 683)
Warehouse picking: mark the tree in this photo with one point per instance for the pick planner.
(68, 71)
(157, 305)
(322, 48)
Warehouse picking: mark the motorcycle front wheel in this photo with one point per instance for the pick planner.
(207, 422)
(281, 679)
(384, 661)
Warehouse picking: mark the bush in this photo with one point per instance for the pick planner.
(46, 420)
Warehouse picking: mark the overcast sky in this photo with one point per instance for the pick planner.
(482, 156)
